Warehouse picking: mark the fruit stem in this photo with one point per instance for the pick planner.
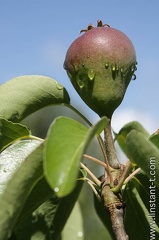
(109, 146)
(108, 169)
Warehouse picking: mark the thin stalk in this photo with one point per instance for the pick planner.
(103, 150)
(95, 160)
(108, 171)
(91, 184)
(35, 138)
(132, 175)
(95, 179)
(109, 146)
(78, 113)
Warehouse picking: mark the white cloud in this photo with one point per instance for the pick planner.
(124, 116)
(121, 117)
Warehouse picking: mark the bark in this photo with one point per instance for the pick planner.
(114, 205)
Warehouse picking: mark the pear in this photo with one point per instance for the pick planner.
(100, 64)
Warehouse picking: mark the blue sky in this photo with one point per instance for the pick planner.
(35, 35)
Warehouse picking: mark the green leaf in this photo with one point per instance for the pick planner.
(64, 209)
(12, 157)
(24, 95)
(143, 153)
(66, 142)
(38, 224)
(121, 136)
(154, 138)
(39, 194)
(18, 189)
(35, 221)
(74, 227)
(49, 219)
(137, 197)
(10, 131)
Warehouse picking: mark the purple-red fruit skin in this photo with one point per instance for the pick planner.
(100, 64)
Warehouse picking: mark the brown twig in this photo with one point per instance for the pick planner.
(114, 205)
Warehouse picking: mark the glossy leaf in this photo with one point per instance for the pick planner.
(137, 198)
(121, 136)
(18, 189)
(143, 153)
(12, 157)
(66, 141)
(10, 132)
(24, 95)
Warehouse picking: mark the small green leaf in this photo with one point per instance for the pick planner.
(83, 173)
(10, 132)
(143, 153)
(121, 136)
(24, 95)
(66, 141)
(18, 189)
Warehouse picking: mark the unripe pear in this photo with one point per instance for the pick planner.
(100, 64)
